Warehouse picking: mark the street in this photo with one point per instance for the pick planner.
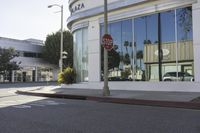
(29, 114)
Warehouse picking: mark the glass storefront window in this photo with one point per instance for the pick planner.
(167, 26)
(185, 40)
(127, 50)
(168, 42)
(28, 74)
(120, 57)
(18, 76)
(81, 54)
(146, 40)
(139, 61)
(5, 77)
(24, 75)
(44, 74)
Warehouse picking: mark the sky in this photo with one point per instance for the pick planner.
(24, 19)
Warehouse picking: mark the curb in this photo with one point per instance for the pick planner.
(173, 104)
(78, 97)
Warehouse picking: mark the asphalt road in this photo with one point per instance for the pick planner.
(28, 114)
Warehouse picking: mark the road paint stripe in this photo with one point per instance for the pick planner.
(35, 104)
(21, 106)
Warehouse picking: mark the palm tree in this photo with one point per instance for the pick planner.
(131, 45)
(126, 44)
(139, 56)
(127, 59)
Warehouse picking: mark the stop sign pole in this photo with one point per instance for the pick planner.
(106, 91)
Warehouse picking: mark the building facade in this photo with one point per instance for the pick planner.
(32, 67)
(152, 39)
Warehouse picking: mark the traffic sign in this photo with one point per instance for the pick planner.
(107, 42)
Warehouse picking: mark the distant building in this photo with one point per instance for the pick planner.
(33, 67)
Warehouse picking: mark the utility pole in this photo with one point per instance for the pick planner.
(106, 91)
(61, 39)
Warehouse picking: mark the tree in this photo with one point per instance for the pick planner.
(6, 61)
(127, 60)
(51, 50)
(68, 76)
(147, 42)
(126, 44)
(184, 18)
(139, 56)
(113, 59)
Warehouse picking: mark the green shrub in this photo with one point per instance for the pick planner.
(68, 76)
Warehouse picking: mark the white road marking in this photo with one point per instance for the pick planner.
(26, 103)
(22, 106)
(35, 104)
(51, 103)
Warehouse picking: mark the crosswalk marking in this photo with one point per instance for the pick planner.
(40, 104)
(22, 104)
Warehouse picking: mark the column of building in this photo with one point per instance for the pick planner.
(196, 39)
(13, 76)
(94, 58)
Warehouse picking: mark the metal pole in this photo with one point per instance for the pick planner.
(134, 50)
(160, 53)
(176, 37)
(61, 40)
(106, 91)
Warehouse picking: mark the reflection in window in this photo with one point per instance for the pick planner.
(184, 23)
(185, 43)
(119, 58)
(139, 60)
(146, 36)
(167, 26)
(168, 42)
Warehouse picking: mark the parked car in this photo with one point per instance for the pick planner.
(182, 76)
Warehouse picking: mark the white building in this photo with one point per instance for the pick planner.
(33, 67)
(137, 27)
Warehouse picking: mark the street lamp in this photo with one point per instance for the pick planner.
(61, 40)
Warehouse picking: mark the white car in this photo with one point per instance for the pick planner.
(182, 76)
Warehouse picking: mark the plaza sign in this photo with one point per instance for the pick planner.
(77, 7)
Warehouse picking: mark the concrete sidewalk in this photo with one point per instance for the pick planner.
(150, 98)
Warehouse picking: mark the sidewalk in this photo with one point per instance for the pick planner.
(189, 100)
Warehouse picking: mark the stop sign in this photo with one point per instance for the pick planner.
(107, 42)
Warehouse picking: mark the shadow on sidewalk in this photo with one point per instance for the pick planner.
(27, 84)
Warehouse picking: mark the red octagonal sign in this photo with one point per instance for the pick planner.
(107, 42)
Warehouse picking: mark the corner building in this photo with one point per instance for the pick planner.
(137, 28)
(32, 67)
